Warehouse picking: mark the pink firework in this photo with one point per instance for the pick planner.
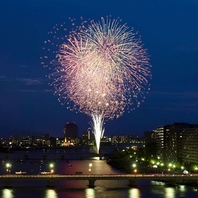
(101, 69)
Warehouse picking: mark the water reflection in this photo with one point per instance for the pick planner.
(89, 193)
(134, 192)
(195, 189)
(50, 193)
(7, 193)
(182, 188)
(169, 192)
(157, 183)
(95, 158)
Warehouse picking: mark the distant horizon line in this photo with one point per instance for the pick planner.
(15, 131)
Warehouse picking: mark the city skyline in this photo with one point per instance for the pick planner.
(167, 29)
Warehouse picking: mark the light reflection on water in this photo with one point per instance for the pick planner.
(134, 192)
(7, 193)
(182, 188)
(169, 192)
(51, 193)
(90, 193)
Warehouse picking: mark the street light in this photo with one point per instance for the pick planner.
(51, 166)
(134, 168)
(90, 166)
(8, 167)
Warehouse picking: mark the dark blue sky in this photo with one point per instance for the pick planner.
(168, 29)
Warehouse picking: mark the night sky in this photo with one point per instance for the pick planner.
(168, 30)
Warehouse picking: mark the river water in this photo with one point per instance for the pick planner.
(79, 189)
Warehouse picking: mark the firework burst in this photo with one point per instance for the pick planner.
(100, 69)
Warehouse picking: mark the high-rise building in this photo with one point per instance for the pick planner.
(173, 142)
(150, 144)
(169, 140)
(87, 137)
(160, 142)
(70, 132)
(190, 146)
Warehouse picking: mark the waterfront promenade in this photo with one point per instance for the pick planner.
(92, 178)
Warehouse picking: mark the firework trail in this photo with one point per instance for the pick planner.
(100, 69)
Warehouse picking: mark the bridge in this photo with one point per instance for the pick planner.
(91, 178)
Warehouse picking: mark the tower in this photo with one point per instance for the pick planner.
(70, 133)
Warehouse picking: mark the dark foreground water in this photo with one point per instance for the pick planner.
(100, 191)
(79, 189)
